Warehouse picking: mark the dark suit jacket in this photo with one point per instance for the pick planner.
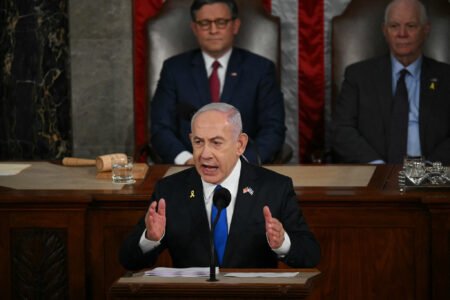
(187, 227)
(250, 86)
(362, 112)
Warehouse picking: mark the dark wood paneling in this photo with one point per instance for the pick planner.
(108, 230)
(5, 256)
(43, 254)
(440, 246)
(39, 263)
(377, 243)
(371, 253)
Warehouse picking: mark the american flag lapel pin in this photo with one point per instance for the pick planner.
(248, 189)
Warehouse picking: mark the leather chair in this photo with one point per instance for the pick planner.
(169, 33)
(438, 43)
(357, 35)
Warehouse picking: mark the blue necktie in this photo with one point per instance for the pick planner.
(221, 231)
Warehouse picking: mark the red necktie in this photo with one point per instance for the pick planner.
(214, 82)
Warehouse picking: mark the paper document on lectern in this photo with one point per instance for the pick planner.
(12, 169)
(262, 274)
(179, 272)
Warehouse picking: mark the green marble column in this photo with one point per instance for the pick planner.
(35, 109)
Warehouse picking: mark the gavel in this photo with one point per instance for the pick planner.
(103, 162)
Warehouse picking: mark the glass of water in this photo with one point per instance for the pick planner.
(122, 169)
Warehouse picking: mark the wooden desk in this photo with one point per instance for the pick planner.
(377, 243)
(139, 286)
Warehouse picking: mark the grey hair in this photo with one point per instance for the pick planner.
(423, 17)
(233, 115)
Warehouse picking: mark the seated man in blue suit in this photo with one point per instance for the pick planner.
(188, 81)
(368, 122)
(264, 222)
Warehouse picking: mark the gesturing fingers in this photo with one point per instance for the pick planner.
(162, 208)
(150, 211)
(274, 229)
(267, 214)
(155, 220)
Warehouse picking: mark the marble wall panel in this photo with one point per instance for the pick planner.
(34, 78)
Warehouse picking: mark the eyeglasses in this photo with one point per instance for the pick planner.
(206, 24)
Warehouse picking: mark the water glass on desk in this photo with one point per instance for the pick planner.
(122, 169)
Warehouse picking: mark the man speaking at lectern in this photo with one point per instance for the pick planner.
(264, 222)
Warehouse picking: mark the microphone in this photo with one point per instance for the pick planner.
(221, 200)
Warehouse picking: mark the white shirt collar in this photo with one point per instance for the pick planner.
(223, 60)
(231, 183)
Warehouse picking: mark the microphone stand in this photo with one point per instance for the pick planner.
(212, 263)
(253, 145)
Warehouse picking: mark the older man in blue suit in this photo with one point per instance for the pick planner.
(188, 81)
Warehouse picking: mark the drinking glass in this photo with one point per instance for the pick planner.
(122, 169)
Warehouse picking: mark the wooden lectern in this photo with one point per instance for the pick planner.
(152, 287)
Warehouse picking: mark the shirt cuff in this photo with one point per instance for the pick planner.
(183, 157)
(285, 247)
(147, 245)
